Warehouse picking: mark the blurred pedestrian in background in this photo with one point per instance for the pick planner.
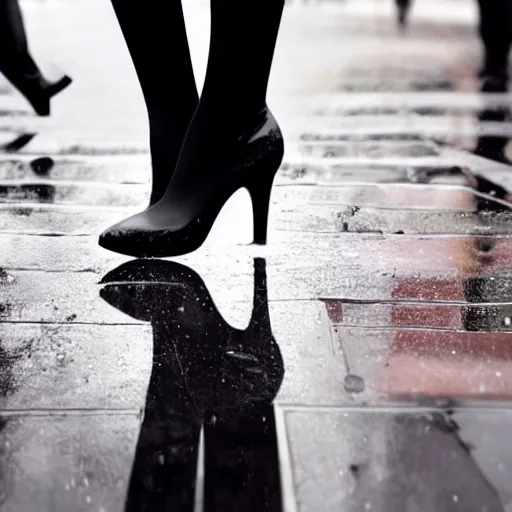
(495, 28)
(403, 7)
(17, 64)
(496, 33)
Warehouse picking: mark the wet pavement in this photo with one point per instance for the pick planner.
(360, 361)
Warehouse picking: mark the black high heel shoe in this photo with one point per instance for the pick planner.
(41, 92)
(37, 90)
(205, 373)
(160, 231)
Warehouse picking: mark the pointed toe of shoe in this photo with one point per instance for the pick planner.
(130, 238)
(119, 239)
(136, 237)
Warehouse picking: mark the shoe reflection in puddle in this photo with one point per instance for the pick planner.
(205, 374)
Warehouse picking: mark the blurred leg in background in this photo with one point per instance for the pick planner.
(496, 35)
(495, 32)
(17, 64)
(403, 7)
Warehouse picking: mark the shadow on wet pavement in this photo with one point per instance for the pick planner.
(207, 376)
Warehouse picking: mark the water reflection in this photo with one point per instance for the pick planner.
(472, 358)
(206, 374)
(40, 192)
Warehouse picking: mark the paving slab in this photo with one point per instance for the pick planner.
(400, 256)
(408, 365)
(62, 297)
(56, 366)
(458, 271)
(59, 367)
(105, 169)
(421, 315)
(396, 460)
(55, 463)
(373, 220)
(356, 208)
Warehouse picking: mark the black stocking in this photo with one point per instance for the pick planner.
(154, 31)
(243, 38)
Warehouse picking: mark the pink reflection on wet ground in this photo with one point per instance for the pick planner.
(443, 364)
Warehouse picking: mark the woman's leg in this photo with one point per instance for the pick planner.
(154, 31)
(232, 141)
(17, 64)
(403, 7)
(243, 38)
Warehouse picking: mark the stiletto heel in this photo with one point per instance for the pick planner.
(260, 318)
(260, 192)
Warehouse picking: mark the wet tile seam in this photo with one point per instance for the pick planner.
(380, 233)
(412, 302)
(335, 234)
(64, 207)
(66, 183)
(290, 183)
(47, 234)
(288, 498)
(80, 159)
(416, 329)
(42, 322)
(381, 236)
(472, 100)
(386, 142)
(498, 407)
(52, 271)
(59, 412)
(337, 164)
(332, 235)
